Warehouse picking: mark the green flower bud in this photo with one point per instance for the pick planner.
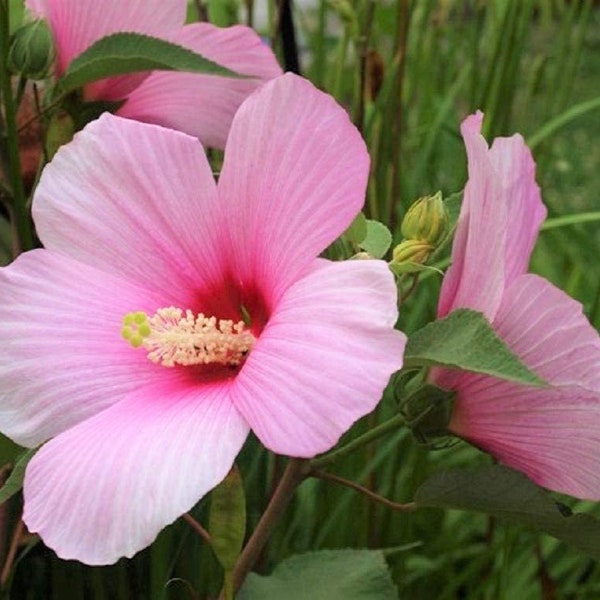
(412, 251)
(32, 50)
(426, 220)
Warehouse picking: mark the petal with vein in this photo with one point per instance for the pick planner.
(551, 434)
(131, 470)
(294, 177)
(63, 358)
(324, 358)
(133, 199)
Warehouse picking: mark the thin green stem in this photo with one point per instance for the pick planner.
(566, 220)
(390, 425)
(197, 528)
(408, 506)
(19, 204)
(363, 51)
(398, 116)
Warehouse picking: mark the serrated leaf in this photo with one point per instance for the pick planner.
(227, 521)
(15, 480)
(122, 53)
(357, 231)
(465, 340)
(325, 575)
(378, 239)
(509, 495)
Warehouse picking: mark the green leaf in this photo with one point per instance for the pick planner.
(509, 495)
(325, 575)
(123, 53)
(357, 231)
(15, 480)
(227, 521)
(378, 239)
(465, 340)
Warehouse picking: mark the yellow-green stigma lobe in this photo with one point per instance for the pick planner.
(176, 337)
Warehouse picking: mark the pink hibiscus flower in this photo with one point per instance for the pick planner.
(132, 220)
(552, 434)
(201, 105)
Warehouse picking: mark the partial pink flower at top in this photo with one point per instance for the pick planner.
(167, 315)
(201, 105)
(552, 434)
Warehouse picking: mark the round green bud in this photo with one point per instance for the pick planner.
(426, 220)
(32, 50)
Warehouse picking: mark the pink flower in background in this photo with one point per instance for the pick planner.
(551, 434)
(201, 105)
(135, 232)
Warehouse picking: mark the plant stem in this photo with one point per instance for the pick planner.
(398, 118)
(19, 205)
(12, 552)
(296, 471)
(363, 490)
(363, 52)
(375, 433)
(197, 528)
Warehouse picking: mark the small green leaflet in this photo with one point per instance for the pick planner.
(378, 239)
(509, 495)
(465, 340)
(123, 53)
(15, 480)
(227, 522)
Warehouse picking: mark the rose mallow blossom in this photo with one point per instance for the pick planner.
(552, 433)
(201, 105)
(168, 315)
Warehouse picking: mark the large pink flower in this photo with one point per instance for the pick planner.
(201, 105)
(132, 220)
(552, 434)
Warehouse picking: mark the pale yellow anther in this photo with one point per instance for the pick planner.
(174, 337)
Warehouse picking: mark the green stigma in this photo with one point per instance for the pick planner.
(135, 328)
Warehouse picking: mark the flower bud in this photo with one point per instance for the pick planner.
(412, 251)
(32, 50)
(426, 220)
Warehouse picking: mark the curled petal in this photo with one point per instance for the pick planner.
(475, 279)
(499, 221)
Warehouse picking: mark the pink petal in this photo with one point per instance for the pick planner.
(77, 24)
(551, 434)
(512, 161)
(105, 488)
(323, 359)
(204, 105)
(293, 179)
(63, 359)
(548, 330)
(133, 199)
(476, 277)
